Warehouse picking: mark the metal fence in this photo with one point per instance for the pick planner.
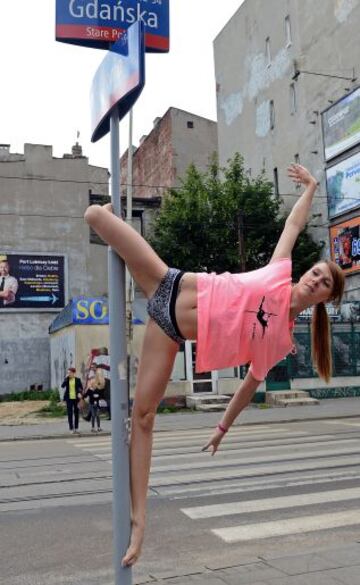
(345, 351)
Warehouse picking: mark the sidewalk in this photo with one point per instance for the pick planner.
(338, 408)
(325, 566)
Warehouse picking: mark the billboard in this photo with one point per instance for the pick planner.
(118, 81)
(343, 185)
(341, 125)
(99, 23)
(32, 282)
(345, 244)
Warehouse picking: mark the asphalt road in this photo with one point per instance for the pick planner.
(273, 489)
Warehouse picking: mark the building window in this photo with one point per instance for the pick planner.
(268, 52)
(276, 181)
(288, 38)
(190, 124)
(292, 99)
(272, 114)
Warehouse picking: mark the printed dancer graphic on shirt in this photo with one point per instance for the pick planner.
(260, 315)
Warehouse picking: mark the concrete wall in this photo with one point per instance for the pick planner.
(324, 38)
(42, 203)
(71, 346)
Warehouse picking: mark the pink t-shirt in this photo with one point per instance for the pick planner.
(244, 318)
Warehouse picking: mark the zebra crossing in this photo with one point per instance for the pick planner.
(266, 481)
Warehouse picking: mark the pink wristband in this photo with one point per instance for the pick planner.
(222, 429)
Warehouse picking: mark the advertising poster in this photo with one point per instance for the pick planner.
(32, 282)
(345, 244)
(341, 125)
(343, 185)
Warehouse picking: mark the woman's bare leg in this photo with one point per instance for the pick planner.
(156, 363)
(144, 264)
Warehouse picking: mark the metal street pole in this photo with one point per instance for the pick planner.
(129, 280)
(129, 171)
(119, 387)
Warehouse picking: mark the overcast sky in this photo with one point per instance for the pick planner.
(46, 84)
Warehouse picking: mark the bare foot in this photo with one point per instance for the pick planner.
(134, 550)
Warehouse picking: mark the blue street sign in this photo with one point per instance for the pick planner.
(99, 23)
(118, 81)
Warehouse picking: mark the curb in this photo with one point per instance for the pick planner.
(176, 428)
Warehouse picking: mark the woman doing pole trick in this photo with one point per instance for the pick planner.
(234, 318)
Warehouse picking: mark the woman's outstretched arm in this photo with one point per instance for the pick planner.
(238, 402)
(299, 214)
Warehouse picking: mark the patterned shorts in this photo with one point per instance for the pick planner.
(161, 306)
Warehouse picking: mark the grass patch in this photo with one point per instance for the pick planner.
(52, 395)
(167, 409)
(53, 410)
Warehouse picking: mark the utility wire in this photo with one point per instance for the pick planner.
(197, 225)
(167, 187)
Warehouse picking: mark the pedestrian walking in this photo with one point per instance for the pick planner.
(72, 396)
(94, 395)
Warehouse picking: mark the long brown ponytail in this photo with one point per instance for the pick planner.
(321, 342)
(320, 326)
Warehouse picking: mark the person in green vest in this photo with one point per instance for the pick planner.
(72, 396)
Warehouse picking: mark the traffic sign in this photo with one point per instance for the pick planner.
(98, 24)
(118, 81)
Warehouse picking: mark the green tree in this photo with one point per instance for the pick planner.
(197, 227)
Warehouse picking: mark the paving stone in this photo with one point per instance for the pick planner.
(231, 560)
(205, 579)
(323, 578)
(304, 563)
(347, 575)
(140, 578)
(246, 574)
(185, 571)
(345, 557)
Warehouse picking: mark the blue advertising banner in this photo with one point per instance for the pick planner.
(118, 81)
(98, 24)
(32, 282)
(343, 186)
